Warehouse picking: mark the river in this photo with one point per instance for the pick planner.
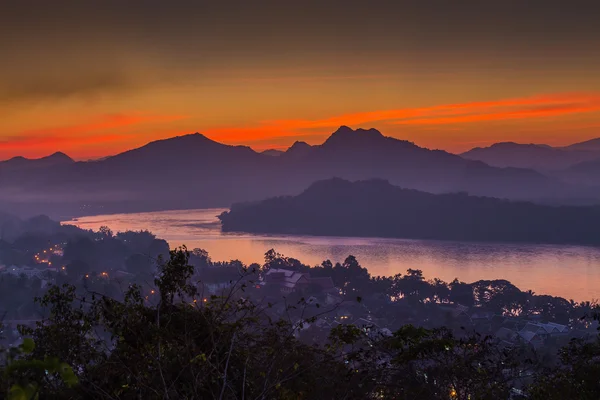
(572, 272)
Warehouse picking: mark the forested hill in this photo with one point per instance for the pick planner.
(337, 207)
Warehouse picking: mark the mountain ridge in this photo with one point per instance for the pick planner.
(194, 171)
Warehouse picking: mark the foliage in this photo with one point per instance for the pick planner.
(176, 342)
(21, 376)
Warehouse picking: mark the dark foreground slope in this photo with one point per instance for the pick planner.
(338, 207)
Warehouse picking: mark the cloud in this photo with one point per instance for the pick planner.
(551, 105)
(527, 107)
(90, 133)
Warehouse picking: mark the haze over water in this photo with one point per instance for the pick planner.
(572, 272)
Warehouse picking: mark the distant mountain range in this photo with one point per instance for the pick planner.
(44, 162)
(540, 157)
(193, 171)
(375, 208)
(273, 152)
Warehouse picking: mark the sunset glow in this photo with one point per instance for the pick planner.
(409, 71)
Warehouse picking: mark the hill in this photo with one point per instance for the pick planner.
(584, 173)
(44, 162)
(193, 171)
(272, 152)
(534, 156)
(376, 208)
(589, 145)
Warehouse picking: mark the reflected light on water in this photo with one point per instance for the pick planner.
(572, 272)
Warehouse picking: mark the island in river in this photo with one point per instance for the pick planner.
(375, 208)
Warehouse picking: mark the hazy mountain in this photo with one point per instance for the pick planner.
(337, 207)
(590, 145)
(44, 162)
(585, 173)
(194, 171)
(365, 154)
(535, 156)
(272, 152)
(298, 150)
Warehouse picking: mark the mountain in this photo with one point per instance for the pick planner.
(44, 162)
(365, 154)
(585, 173)
(534, 156)
(272, 152)
(375, 208)
(193, 171)
(590, 145)
(298, 150)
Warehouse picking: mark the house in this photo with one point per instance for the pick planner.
(536, 333)
(531, 338)
(456, 310)
(27, 271)
(217, 288)
(288, 281)
(333, 298)
(123, 275)
(483, 316)
(371, 328)
(344, 315)
(506, 334)
(558, 328)
(546, 329)
(507, 337)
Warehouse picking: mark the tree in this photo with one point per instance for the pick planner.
(77, 269)
(81, 249)
(576, 376)
(181, 349)
(105, 232)
(138, 264)
(461, 293)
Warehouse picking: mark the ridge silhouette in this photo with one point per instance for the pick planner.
(194, 171)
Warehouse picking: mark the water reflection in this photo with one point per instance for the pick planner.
(567, 271)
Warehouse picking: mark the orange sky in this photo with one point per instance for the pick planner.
(268, 75)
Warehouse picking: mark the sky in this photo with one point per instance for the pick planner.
(96, 78)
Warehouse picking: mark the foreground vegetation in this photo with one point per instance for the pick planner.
(184, 345)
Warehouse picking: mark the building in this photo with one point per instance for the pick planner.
(288, 281)
(536, 333)
(27, 271)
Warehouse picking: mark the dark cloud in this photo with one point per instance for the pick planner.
(58, 48)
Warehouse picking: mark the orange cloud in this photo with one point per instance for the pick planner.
(560, 104)
(92, 133)
(33, 142)
(550, 105)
